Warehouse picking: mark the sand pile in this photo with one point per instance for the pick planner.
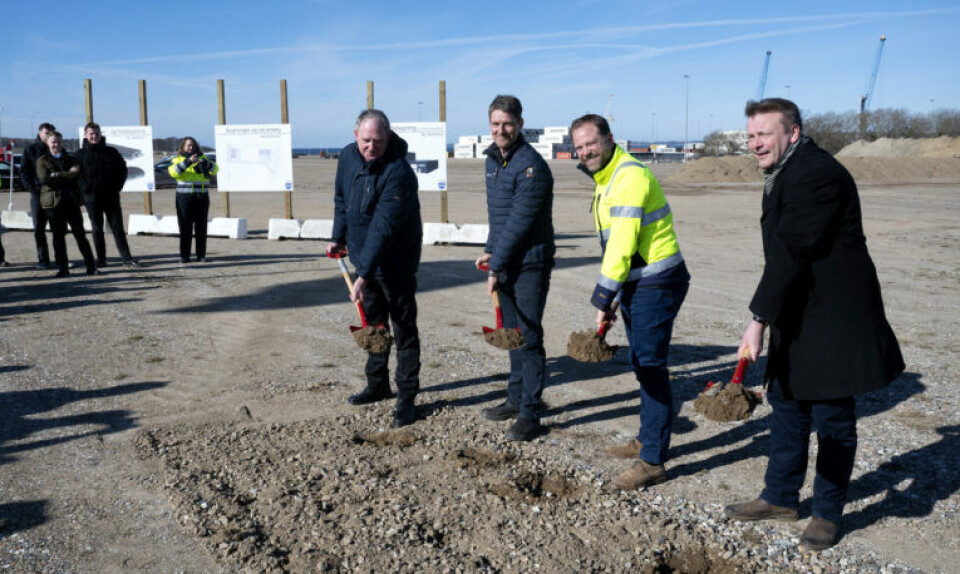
(882, 161)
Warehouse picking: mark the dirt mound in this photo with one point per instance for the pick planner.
(589, 347)
(732, 403)
(942, 147)
(506, 339)
(726, 169)
(373, 339)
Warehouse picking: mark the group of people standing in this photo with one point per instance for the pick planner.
(60, 183)
(818, 295)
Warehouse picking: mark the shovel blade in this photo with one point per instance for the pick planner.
(488, 330)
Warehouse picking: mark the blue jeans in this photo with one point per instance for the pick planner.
(790, 425)
(522, 302)
(648, 314)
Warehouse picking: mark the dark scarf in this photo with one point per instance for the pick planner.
(770, 174)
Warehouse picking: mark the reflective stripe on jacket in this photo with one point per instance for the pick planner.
(634, 223)
(192, 177)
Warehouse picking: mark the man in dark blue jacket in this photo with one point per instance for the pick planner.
(519, 253)
(377, 219)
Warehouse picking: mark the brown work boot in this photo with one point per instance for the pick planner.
(820, 534)
(641, 474)
(631, 450)
(759, 509)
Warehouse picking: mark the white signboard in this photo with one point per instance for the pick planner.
(426, 152)
(135, 144)
(254, 157)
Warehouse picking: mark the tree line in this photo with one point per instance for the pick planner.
(835, 130)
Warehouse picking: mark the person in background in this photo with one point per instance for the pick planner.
(103, 172)
(192, 170)
(377, 222)
(28, 176)
(643, 266)
(57, 173)
(829, 338)
(519, 254)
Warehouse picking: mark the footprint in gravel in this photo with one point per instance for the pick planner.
(531, 486)
(400, 438)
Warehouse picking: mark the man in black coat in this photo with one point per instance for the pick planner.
(103, 172)
(377, 220)
(28, 176)
(829, 336)
(520, 255)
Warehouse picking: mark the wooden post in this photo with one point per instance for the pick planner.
(369, 94)
(88, 98)
(222, 120)
(444, 214)
(147, 196)
(285, 119)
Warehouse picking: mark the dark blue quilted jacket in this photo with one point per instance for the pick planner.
(377, 211)
(519, 209)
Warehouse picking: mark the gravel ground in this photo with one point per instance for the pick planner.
(193, 418)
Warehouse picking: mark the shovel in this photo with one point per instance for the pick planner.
(590, 347)
(713, 388)
(371, 338)
(501, 337)
(728, 403)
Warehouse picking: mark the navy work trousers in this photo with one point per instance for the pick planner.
(648, 315)
(790, 424)
(522, 302)
(394, 299)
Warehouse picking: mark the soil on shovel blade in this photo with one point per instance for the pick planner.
(589, 347)
(373, 339)
(506, 339)
(732, 403)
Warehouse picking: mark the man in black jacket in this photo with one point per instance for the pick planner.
(829, 336)
(520, 256)
(28, 176)
(377, 220)
(103, 172)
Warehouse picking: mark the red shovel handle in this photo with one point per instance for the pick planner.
(497, 309)
(741, 367)
(363, 316)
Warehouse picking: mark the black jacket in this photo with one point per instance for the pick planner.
(829, 336)
(377, 211)
(519, 209)
(28, 167)
(103, 170)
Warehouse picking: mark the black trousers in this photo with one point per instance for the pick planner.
(97, 210)
(67, 212)
(192, 211)
(394, 299)
(39, 216)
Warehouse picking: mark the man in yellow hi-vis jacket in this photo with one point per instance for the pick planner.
(643, 266)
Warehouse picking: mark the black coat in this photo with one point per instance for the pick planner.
(103, 171)
(519, 209)
(829, 336)
(377, 211)
(28, 167)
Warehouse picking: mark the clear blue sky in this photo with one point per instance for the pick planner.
(562, 58)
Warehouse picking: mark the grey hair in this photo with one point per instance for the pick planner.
(374, 114)
(508, 105)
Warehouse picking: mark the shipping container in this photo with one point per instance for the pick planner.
(563, 155)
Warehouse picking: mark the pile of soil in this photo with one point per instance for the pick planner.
(373, 339)
(732, 403)
(725, 169)
(589, 347)
(506, 339)
(904, 147)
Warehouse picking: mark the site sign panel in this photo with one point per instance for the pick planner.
(135, 144)
(426, 152)
(254, 157)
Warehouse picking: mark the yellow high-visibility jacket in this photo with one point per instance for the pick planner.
(192, 177)
(634, 224)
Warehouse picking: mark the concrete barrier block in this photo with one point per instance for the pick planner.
(168, 226)
(284, 229)
(317, 229)
(86, 222)
(16, 220)
(434, 233)
(231, 227)
(142, 224)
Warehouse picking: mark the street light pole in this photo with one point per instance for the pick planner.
(686, 114)
(788, 91)
(653, 135)
(420, 112)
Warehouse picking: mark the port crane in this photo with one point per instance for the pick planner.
(763, 78)
(871, 82)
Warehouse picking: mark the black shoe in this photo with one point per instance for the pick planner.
(4, 264)
(184, 260)
(133, 263)
(75, 265)
(406, 412)
(524, 429)
(502, 412)
(62, 273)
(203, 259)
(368, 395)
(101, 263)
(43, 265)
(94, 271)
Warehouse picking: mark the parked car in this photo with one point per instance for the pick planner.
(161, 176)
(5, 175)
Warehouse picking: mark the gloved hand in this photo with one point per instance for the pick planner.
(336, 250)
(602, 297)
